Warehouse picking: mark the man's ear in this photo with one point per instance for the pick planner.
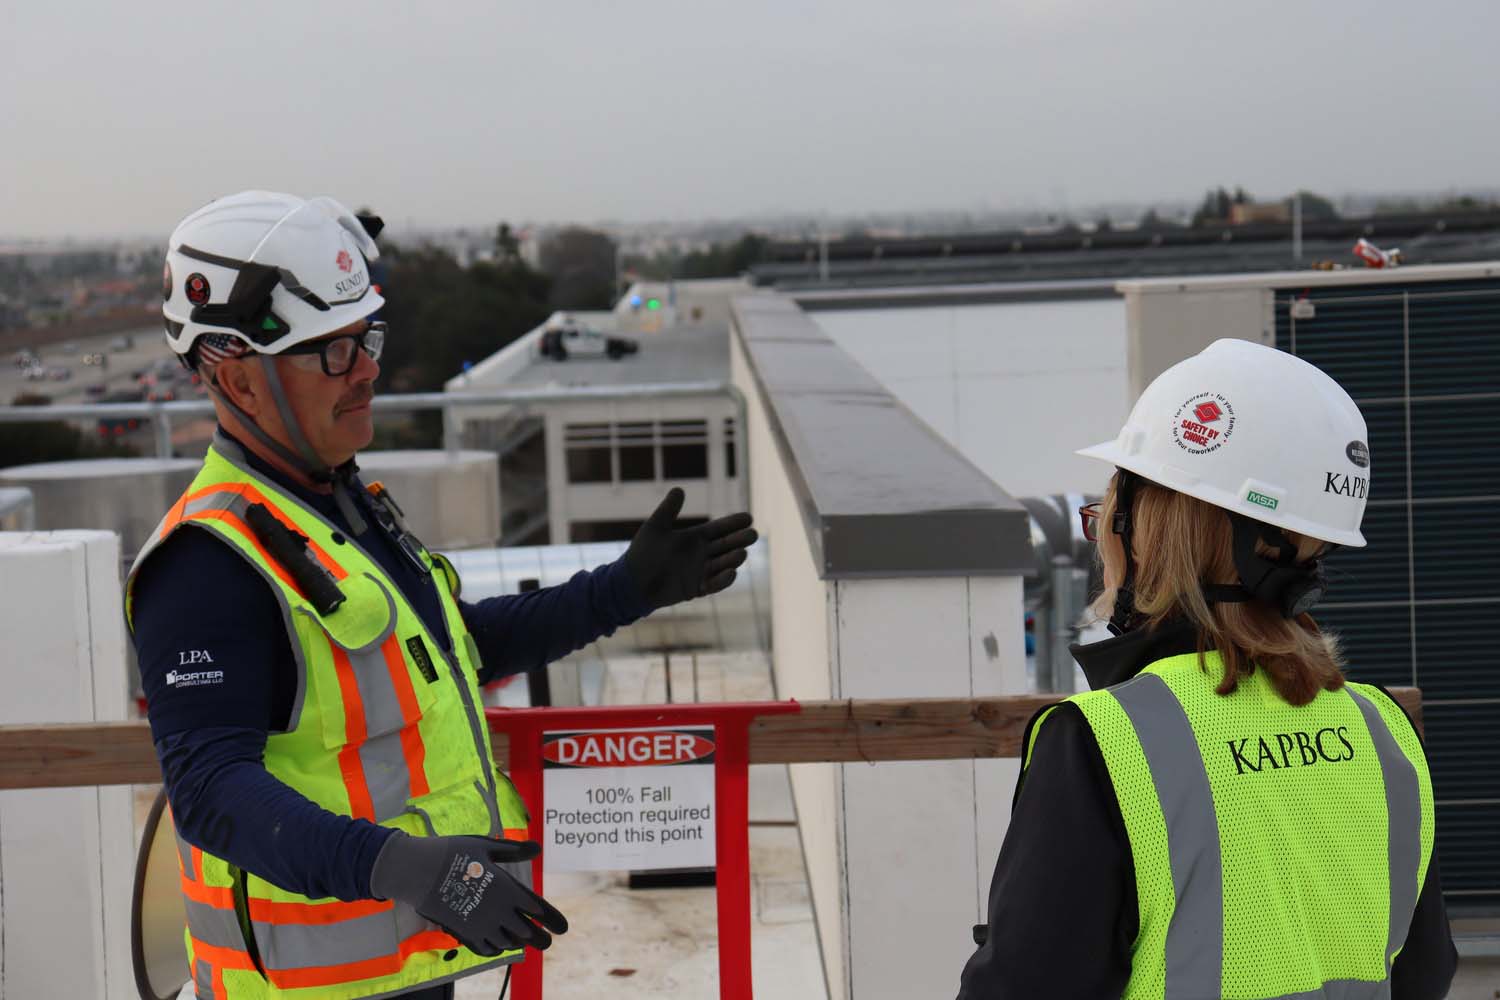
(239, 385)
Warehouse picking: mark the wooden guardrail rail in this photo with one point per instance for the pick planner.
(121, 753)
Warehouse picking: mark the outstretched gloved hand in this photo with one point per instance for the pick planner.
(672, 564)
(458, 884)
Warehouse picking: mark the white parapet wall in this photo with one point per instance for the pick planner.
(866, 604)
(66, 854)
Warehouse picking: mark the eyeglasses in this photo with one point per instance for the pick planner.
(1089, 515)
(338, 354)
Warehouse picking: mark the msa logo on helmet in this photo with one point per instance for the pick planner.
(352, 284)
(1203, 423)
(344, 261)
(1354, 487)
(1269, 503)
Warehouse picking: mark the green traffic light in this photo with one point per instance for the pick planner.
(653, 303)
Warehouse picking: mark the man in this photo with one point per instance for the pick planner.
(311, 675)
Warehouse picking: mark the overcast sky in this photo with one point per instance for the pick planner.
(120, 118)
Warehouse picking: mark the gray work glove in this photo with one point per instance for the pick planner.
(672, 564)
(458, 884)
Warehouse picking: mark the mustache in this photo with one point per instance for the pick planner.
(358, 397)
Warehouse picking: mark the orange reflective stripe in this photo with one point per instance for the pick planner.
(516, 833)
(250, 493)
(351, 972)
(268, 911)
(219, 897)
(234, 522)
(360, 804)
(350, 766)
(225, 958)
(412, 747)
(174, 515)
(197, 853)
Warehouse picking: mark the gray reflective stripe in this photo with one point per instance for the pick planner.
(1404, 827)
(203, 981)
(1345, 989)
(185, 855)
(378, 691)
(299, 946)
(409, 922)
(387, 777)
(1195, 936)
(211, 925)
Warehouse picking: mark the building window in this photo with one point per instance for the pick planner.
(637, 442)
(588, 451)
(684, 449)
(729, 451)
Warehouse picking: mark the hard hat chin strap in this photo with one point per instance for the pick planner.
(1124, 617)
(305, 459)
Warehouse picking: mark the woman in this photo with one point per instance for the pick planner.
(1222, 814)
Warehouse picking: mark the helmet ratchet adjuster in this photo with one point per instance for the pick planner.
(1291, 588)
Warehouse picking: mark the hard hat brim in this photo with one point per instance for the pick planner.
(1176, 479)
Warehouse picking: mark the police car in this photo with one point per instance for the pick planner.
(566, 338)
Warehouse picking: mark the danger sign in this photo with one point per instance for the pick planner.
(634, 749)
(634, 799)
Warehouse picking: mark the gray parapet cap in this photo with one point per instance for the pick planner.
(881, 494)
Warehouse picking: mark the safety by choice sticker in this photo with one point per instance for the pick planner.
(628, 799)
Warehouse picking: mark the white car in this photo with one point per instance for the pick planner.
(568, 339)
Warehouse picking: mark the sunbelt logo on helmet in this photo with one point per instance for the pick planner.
(1203, 423)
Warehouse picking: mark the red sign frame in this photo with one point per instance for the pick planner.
(731, 722)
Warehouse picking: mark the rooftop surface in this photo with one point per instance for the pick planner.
(684, 354)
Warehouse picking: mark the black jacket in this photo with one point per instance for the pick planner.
(1063, 911)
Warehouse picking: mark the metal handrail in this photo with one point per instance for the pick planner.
(161, 413)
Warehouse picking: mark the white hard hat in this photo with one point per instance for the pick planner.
(1256, 431)
(272, 270)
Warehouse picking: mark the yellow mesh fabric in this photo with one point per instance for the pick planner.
(1146, 828)
(1302, 840)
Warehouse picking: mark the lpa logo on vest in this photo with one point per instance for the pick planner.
(635, 748)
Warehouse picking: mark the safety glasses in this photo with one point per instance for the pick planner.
(1089, 515)
(338, 354)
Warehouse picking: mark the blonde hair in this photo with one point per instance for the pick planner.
(1181, 543)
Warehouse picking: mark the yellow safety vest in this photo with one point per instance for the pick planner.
(1278, 850)
(385, 727)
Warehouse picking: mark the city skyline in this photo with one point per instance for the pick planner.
(117, 124)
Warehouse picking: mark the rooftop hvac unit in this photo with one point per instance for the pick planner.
(1421, 603)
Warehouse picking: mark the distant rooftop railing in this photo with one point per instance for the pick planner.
(162, 415)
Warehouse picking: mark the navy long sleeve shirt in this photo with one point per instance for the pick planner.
(197, 600)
